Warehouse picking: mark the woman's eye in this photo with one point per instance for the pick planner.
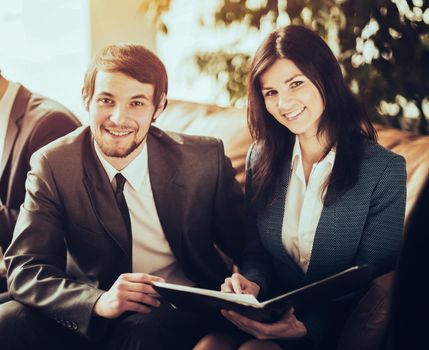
(295, 84)
(270, 93)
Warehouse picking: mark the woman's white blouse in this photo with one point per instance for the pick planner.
(304, 206)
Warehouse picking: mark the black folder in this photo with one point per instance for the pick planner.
(319, 292)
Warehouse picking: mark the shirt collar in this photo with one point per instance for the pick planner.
(330, 157)
(6, 102)
(296, 151)
(134, 173)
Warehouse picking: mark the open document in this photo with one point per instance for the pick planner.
(205, 300)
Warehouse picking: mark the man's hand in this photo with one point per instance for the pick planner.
(239, 284)
(130, 292)
(288, 326)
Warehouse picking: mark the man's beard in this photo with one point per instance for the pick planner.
(117, 153)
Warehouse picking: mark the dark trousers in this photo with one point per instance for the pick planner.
(163, 328)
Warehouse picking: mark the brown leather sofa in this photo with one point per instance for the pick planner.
(365, 329)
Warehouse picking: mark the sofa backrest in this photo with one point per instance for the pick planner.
(227, 124)
(230, 125)
(415, 150)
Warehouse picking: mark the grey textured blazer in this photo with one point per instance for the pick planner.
(71, 242)
(364, 226)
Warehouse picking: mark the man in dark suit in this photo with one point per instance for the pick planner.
(28, 121)
(111, 208)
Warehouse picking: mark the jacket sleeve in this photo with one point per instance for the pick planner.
(36, 258)
(8, 218)
(383, 231)
(50, 127)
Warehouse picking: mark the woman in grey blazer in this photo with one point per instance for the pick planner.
(322, 194)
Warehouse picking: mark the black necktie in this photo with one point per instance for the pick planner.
(120, 199)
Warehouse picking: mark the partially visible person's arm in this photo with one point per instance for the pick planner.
(50, 127)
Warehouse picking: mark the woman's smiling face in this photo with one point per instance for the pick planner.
(291, 98)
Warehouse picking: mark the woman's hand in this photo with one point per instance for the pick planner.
(239, 284)
(287, 327)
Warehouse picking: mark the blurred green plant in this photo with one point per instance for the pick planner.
(229, 69)
(382, 45)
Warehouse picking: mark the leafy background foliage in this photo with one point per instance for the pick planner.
(382, 46)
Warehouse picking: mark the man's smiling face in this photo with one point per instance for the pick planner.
(121, 111)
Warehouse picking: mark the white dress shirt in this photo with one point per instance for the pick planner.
(304, 205)
(151, 252)
(6, 103)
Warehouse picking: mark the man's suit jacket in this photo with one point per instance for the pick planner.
(71, 242)
(364, 226)
(34, 122)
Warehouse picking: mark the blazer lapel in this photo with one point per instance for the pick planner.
(270, 221)
(323, 259)
(102, 198)
(168, 193)
(18, 109)
(337, 236)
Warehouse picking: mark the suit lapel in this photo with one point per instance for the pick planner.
(102, 198)
(18, 109)
(323, 259)
(168, 192)
(271, 222)
(337, 236)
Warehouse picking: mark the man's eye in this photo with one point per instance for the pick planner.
(137, 103)
(104, 100)
(295, 84)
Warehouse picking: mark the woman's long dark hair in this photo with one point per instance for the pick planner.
(344, 122)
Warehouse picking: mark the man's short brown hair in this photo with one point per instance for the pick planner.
(134, 61)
